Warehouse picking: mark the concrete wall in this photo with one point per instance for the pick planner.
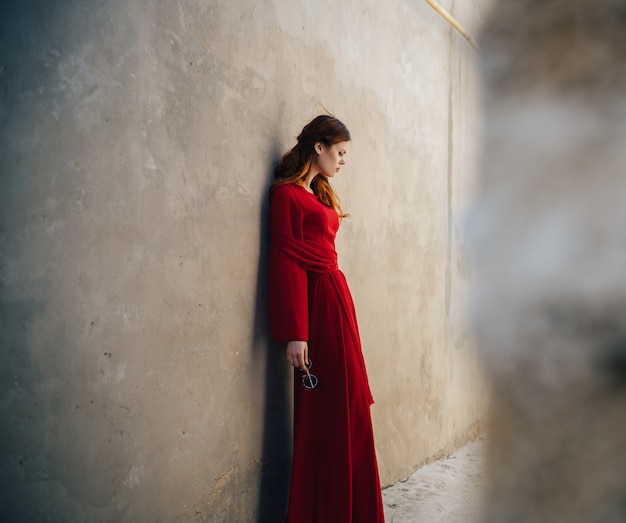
(137, 139)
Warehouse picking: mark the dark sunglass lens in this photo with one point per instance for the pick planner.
(309, 381)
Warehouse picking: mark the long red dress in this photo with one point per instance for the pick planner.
(334, 475)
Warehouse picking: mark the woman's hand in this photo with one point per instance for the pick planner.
(298, 354)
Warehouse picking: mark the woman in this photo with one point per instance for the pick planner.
(334, 476)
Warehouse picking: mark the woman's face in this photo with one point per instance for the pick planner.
(330, 159)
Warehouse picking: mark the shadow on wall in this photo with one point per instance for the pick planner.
(27, 428)
(20, 418)
(276, 457)
(42, 461)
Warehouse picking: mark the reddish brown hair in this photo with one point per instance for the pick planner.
(294, 166)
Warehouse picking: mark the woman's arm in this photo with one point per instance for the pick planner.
(288, 281)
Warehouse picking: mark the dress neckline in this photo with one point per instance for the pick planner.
(305, 190)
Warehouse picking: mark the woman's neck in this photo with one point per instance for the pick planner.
(306, 183)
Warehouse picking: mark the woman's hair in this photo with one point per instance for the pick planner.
(295, 164)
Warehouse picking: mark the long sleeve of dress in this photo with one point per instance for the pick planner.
(288, 282)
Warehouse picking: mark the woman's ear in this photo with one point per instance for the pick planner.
(318, 147)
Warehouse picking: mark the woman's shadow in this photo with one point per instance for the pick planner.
(276, 452)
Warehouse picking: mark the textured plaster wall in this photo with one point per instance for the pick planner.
(137, 138)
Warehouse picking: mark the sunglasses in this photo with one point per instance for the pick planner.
(309, 380)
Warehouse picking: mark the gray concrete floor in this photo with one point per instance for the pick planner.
(446, 491)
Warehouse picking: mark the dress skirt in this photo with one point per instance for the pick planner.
(334, 471)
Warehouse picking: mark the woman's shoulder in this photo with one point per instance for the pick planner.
(287, 188)
(288, 197)
(286, 191)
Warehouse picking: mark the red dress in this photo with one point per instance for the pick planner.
(334, 475)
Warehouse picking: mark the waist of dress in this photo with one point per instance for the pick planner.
(313, 258)
(330, 274)
(319, 271)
